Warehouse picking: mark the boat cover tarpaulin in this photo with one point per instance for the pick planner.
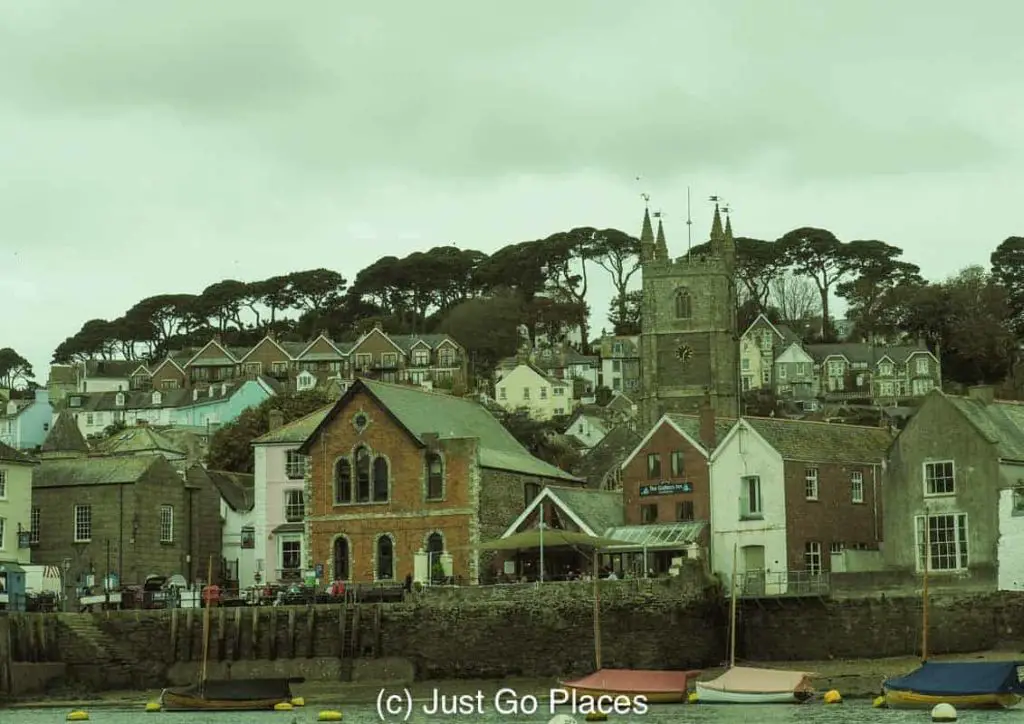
(239, 689)
(961, 677)
(749, 680)
(639, 681)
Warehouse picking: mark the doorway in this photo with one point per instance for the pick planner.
(752, 577)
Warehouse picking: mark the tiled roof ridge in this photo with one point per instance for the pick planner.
(811, 422)
(297, 420)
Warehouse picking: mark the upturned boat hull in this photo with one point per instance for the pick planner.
(706, 695)
(169, 701)
(652, 697)
(895, 699)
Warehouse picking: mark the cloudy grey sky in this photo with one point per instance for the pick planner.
(152, 147)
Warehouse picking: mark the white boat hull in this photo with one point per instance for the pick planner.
(717, 696)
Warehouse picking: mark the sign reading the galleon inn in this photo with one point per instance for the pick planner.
(665, 488)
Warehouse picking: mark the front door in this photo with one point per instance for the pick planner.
(752, 578)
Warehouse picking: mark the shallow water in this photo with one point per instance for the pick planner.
(850, 712)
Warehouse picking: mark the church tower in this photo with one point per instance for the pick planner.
(689, 343)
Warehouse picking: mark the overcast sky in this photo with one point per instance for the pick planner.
(153, 147)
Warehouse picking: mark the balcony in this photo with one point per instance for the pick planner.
(289, 575)
(787, 584)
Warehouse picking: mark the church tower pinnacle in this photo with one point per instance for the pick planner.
(646, 236)
(716, 226)
(660, 247)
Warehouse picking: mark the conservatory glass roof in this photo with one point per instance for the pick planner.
(667, 535)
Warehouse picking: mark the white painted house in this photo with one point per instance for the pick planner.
(527, 388)
(1010, 548)
(748, 508)
(588, 426)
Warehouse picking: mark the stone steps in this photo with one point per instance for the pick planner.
(89, 634)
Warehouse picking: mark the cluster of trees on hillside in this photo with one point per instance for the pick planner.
(975, 316)
(15, 370)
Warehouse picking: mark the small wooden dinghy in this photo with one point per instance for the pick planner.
(657, 687)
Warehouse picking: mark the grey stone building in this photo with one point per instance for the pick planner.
(689, 342)
(955, 485)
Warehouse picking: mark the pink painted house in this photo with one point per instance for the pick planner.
(279, 509)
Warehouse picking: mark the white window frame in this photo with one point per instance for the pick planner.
(502, 393)
(961, 544)
(813, 562)
(781, 370)
(558, 391)
(543, 393)
(745, 364)
(295, 465)
(420, 357)
(166, 523)
(526, 393)
(836, 548)
(857, 487)
(280, 551)
(35, 525)
(3, 533)
(291, 504)
(82, 522)
(925, 481)
(811, 486)
(751, 509)
(923, 367)
(3, 485)
(835, 368)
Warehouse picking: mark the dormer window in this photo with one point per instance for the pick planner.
(119, 399)
(157, 397)
(885, 369)
(75, 401)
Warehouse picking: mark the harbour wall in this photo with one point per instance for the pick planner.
(511, 631)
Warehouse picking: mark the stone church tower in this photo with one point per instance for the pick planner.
(689, 344)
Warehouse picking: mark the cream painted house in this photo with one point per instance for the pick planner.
(527, 388)
(1011, 533)
(16, 506)
(748, 509)
(795, 374)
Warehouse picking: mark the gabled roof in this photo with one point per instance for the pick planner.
(68, 472)
(295, 432)
(168, 360)
(422, 412)
(376, 330)
(607, 454)
(267, 338)
(326, 339)
(818, 442)
(143, 369)
(762, 320)
(236, 489)
(139, 441)
(228, 357)
(620, 403)
(864, 353)
(1001, 422)
(9, 455)
(688, 427)
(64, 436)
(594, 511)
(553, 381)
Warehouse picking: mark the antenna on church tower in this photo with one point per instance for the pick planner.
(689, 224)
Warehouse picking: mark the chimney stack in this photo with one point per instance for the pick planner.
(985, 394)
(707, 422)
(276, 418)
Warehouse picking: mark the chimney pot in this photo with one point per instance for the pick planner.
(276, 419)
(983, 393)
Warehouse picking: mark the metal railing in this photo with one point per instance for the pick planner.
(762, 584)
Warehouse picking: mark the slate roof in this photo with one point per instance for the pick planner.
(823, 442)
(599, 509)
(620, 403)
(9, 455)
(64, 436)
(690, 424)
(864, 353)
(237, 489)
(141, 440)
(423, 412)
(68, 472)
(607, 455)
(296, 431)
(110, 368)
(1000, 422)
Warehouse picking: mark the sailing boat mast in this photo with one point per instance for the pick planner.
(732, 606)
(206, 627)
(597, 614)
(924, 589)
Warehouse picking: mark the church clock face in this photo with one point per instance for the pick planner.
(684, 353)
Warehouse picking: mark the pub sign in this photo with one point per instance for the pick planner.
(665, 488)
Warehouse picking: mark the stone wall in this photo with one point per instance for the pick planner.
(811, 629)
(521, 631)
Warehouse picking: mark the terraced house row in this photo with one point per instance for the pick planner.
(425, 358)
